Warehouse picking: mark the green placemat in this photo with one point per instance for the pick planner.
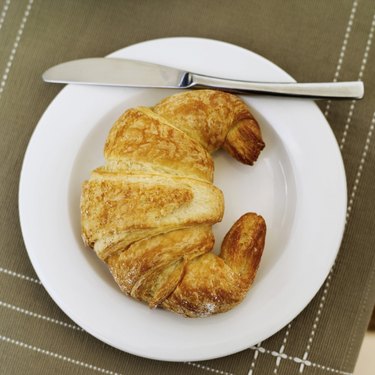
(313, 41)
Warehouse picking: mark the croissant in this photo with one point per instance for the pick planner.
(148, 212)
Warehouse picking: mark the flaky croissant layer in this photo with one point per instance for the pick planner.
(148, 212)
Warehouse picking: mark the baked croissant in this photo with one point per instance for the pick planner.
(148, 212)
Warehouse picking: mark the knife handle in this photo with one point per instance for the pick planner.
(324, 90)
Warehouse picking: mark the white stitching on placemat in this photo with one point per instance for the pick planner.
(276, 354)
(327, 284)
(282, 348)
(350, 205)
(20, 276)
(360, 167)
(56, 355)
(326, 112)
(351, 201)
(15, 46)
(343, 50)
(360, 76)
(352, 196)
(4, 12)
(39, 316)
(204, 367)
(361, 309)
(256, 354)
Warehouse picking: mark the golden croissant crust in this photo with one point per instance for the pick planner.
(148, 212)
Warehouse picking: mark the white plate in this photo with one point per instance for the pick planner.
(298, 185)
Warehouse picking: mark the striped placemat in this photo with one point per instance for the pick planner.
(313, 41)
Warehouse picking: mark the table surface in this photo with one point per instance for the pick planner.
(313, 41)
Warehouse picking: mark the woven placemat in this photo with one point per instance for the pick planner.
(313, 41)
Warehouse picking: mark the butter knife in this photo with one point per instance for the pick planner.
(132, 73)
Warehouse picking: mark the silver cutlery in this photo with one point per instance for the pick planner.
(131, 73)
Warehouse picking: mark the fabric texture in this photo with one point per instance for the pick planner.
(312, 41)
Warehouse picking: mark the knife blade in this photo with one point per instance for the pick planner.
(132, 73)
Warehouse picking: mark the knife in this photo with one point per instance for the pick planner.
(132, 73)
